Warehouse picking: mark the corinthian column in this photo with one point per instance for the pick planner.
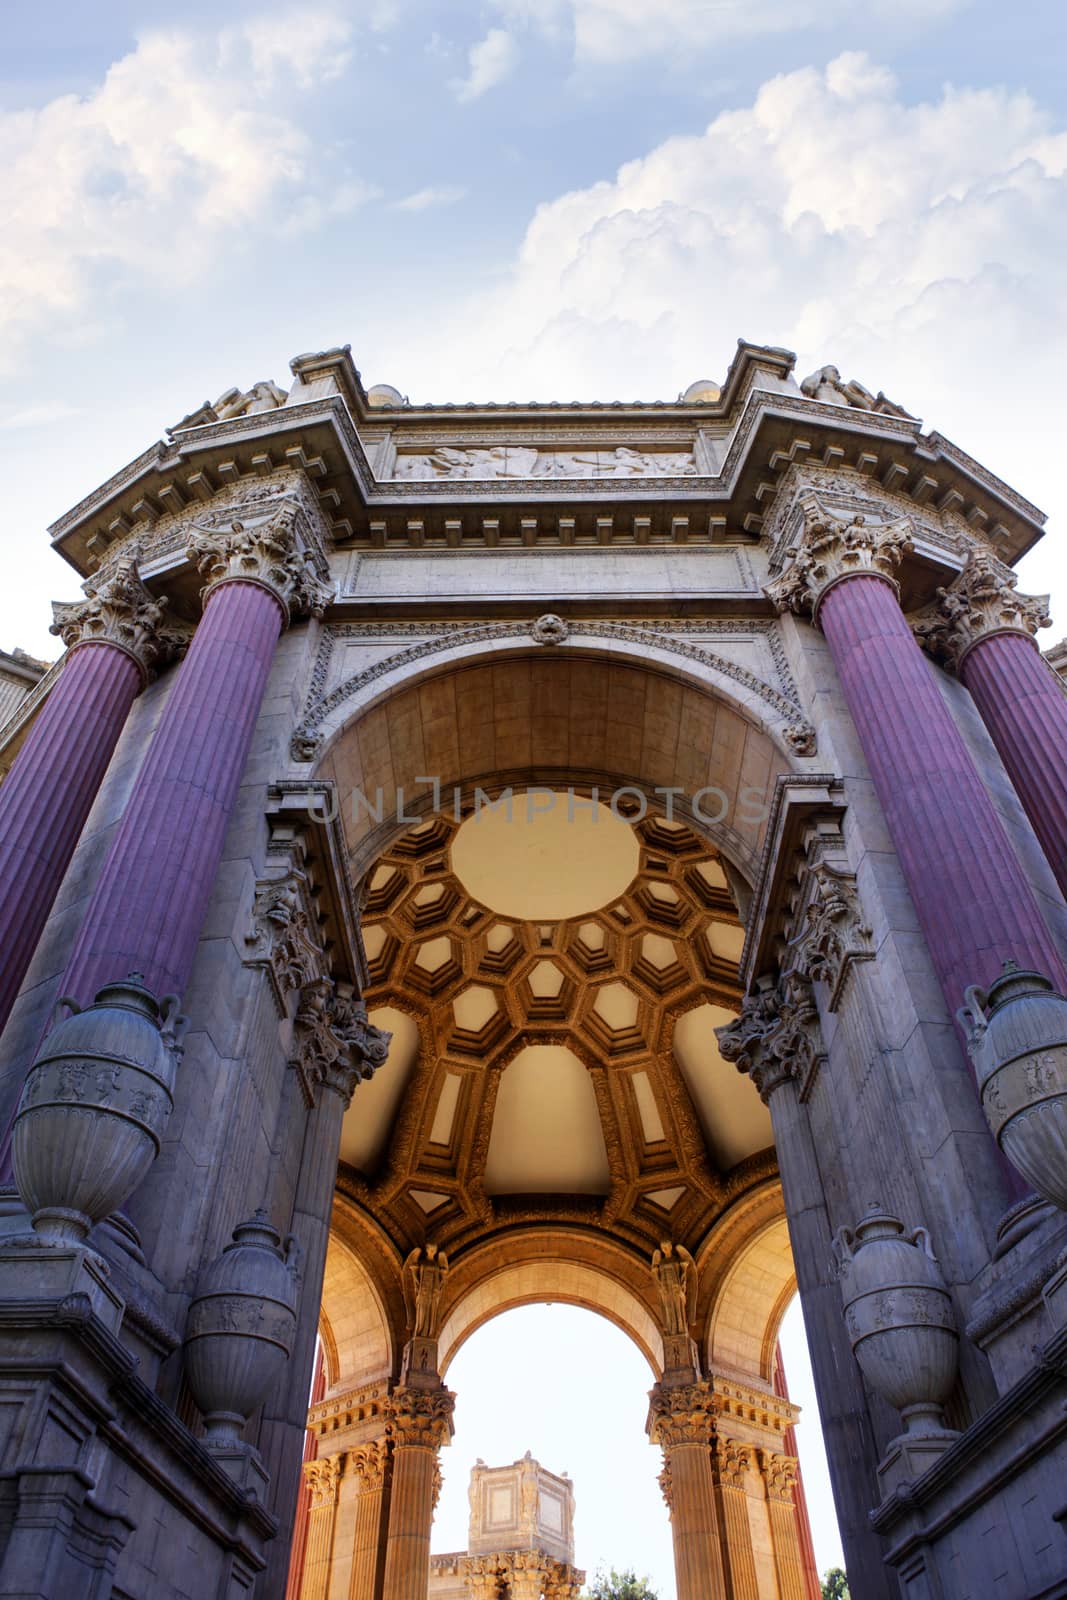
(681, 1421)
(322, 1477)
(151, 898)
(972, 898)
(114, 638)
(779, 1476)
(730, 1464)
(370, 1464)
(420, 1423)
(986, 631)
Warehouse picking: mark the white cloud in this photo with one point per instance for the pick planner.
(918, 247)
(490, 61)
(443, 194)
(630, 30)
(180, 143)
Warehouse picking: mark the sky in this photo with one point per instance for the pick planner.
(526, 199)
(572, 1388)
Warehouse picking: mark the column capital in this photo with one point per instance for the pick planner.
(322, 1477)
(369, 1463)
(526, 1573)
(682, 1414)
(777, 1038)
(981, 601)
(730, 1462)
(421, 1417)
(269, 554)
(118, 610)
(779, 1475)
(336, 1046)
(481, 1575)
(828, 551)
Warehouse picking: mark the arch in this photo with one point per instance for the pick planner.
(551, 717)
(356, 1337)
(750, 1302)
(548, 1282)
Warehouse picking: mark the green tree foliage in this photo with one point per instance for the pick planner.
(835, 1585)
(622, 1586)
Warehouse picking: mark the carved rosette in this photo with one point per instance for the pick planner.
(369, 1463)
(322, 1477)
(777, 1038)
(730, 1463)
(829, 551)
(119, 610)
(421, 1418)
(335, 1045)
(832, 933)
(981, 602)
(269, 554)
(779, 1475)
(681, 1415)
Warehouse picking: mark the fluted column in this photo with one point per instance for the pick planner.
(114, 638)
(779, 1475)
(322, 1477)
(420, 1423)
(730, 1464)
(973, 900)
(370, 1464)
(682, 1422)
(985, 630)
(152, 895)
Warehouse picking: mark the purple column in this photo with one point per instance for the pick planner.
(47, 795)
(972, 898)
(152, 894)
(1024, 706)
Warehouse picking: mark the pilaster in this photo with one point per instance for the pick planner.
(779, 1477)
(323, 1477)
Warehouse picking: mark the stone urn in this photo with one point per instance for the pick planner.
(1017, 1039)
(94, 1107)
(241, 1326)
(900, 1317)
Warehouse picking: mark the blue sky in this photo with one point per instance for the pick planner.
(517, 199)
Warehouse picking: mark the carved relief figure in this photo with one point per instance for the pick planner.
(671, 1267)
(424, 1277)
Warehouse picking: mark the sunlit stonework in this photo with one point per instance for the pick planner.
(569, 833)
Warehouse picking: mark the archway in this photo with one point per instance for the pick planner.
(554, 1115)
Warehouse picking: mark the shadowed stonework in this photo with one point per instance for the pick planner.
(372, 1063)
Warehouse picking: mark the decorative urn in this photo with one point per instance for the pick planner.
(900, 1317)
(241, 1326)
(94, 1107)
(1017, 1038)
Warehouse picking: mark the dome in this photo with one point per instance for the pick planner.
(703, 392)
(383, 394)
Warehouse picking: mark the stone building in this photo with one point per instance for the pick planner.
(534, 852)
(521, 1540)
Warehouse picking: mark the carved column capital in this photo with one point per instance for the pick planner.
(832, 931)
(336, 1047)
(979, 602)
(682, 1414)
(779, 1475)
(322, 1477)
(482, 1576)
(526, 1573)
(564, 1582)
(369, 1463)
(119, 610)
(666, 1485)
(270, 554)
(730, 1462)
(829, 551)
(421, 1417)
(777, 1038)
